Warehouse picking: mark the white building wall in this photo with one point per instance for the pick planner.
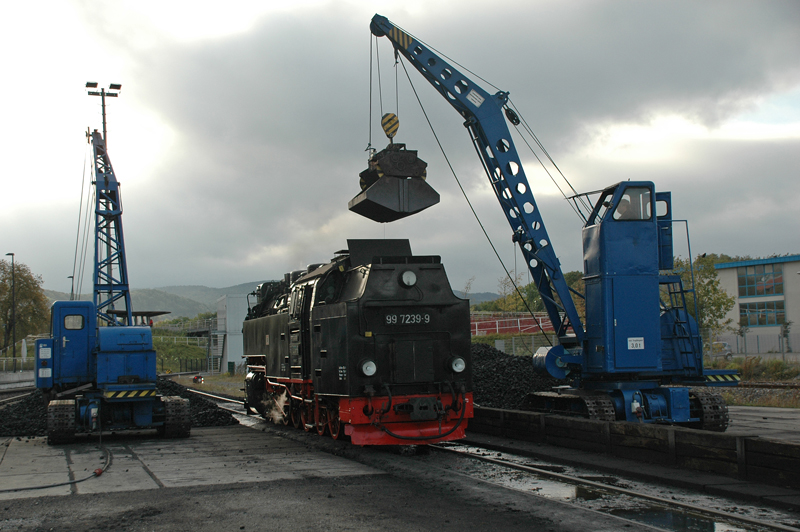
(231, 312)
(728, 278)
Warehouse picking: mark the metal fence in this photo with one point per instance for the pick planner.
(199, 341)
(774, 345)
(190, 326)
(12, 365)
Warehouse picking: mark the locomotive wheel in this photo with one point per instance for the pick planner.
(287, 411)
(304, 417)
(334, 424)
(321, 420)
(297, 421)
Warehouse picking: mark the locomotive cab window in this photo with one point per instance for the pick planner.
(296, 302)
(328, 290)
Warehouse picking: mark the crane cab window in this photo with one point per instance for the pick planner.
(635, 204)
(73, 322)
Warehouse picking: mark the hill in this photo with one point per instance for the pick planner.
(148, 299)
(208, 296)
(479, 297)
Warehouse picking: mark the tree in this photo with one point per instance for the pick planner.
(32, 312)
(713, 303)
(510, 298)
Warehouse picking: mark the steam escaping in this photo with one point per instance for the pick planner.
(277, 412)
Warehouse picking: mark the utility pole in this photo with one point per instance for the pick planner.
(13, 311)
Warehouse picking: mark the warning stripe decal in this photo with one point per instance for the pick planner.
(401, 38)
(723, 378)
(129, 394)
(390, 123)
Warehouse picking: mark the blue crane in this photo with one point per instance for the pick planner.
(98, 368)
(639, 341)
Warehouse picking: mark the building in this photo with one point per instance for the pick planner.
(231, 312)
(767, 293)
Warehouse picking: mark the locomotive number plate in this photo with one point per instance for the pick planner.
(407, 319)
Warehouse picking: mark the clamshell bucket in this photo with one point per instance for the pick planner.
(393, 186)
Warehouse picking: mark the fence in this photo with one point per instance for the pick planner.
(12, 365)
(482, 323)
(199, 341)
(190, 326)
(523, 345)
(761, 344)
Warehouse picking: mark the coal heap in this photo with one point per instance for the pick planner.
(26, 417)
(204, 412)
(502, 381)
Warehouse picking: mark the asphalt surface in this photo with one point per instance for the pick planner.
(259, 478)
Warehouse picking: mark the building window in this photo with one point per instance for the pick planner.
(763, 313)
(761, 280)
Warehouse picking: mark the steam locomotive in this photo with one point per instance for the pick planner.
(373, 345)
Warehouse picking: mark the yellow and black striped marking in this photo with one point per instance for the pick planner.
(390, 123)
(723, 378)
(400, 37)
(129, 394)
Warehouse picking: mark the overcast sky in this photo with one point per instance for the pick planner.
(241, 127)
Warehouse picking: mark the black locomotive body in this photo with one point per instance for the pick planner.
(374, 345)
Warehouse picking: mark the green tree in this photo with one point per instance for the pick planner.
(713, 303)
(510, 298)
(32, 313)
(574, 280)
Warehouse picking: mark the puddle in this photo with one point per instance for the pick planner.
(609, 501)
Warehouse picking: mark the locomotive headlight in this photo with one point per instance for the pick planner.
(408, 278)
(368, 368)
(457, 364)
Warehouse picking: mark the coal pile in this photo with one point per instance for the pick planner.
(26, 417)
(204, 412)
(502, 381)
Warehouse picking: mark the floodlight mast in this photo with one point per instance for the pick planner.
(103, 93)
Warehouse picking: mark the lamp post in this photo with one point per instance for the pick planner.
(103, 93)
(13, 310)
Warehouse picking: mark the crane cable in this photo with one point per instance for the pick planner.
(469, 203)
(80, 215)
(527, 128)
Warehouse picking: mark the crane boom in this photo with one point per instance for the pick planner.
(484, 118)
(110, 266)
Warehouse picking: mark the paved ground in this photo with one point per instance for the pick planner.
(212, 456)
(260, 478)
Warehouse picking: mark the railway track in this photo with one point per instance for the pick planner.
(15, 394)
(629, 500)
(679, 510)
